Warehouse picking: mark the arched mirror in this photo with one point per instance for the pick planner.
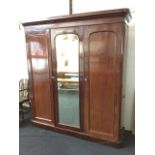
(67, 60)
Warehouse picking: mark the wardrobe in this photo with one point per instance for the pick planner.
(75, 65)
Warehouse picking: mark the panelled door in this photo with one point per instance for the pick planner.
(38, 62)
(102, 47)
(67, 59)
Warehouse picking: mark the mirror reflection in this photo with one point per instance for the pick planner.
(67, 55)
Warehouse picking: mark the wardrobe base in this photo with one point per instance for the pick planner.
(81, 135)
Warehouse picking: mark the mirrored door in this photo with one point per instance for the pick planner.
(67, 71)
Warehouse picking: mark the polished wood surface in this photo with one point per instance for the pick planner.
(78, 134)
(103, 57)
(79, 33)
(125, 13)
(37, 45)
(101, 47)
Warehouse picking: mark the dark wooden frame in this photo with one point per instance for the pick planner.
(57, 32)
(69, 23)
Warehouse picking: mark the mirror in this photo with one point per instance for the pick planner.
(67, 58)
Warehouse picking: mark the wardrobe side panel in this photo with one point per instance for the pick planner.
(38, 58)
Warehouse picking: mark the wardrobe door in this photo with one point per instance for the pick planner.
(103, 58)
(67, 80)
(39, 74)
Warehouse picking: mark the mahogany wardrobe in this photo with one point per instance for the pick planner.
(75, 67)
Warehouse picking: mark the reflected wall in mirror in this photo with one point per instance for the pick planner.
(67, 58)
